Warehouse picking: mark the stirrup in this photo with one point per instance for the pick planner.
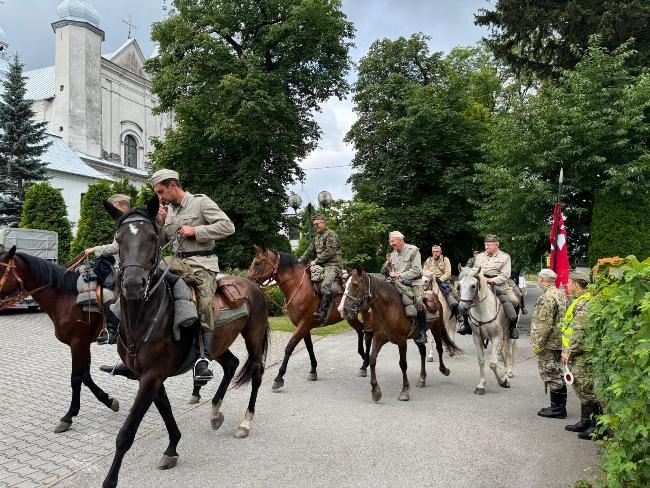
(203, 377)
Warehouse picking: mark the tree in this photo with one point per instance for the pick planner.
(21, 144)
(44, 208)
(95, 227)
(243, 79)
(536, 36)
(125, 187)
(144, 195)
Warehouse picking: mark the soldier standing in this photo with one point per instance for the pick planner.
(546, 340)
(192, 223)
(404, 267)
(323, 256)
(437, 267)
(573, 354)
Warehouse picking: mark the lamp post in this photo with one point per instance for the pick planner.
(324, 201)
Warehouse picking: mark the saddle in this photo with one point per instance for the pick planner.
(338, 286)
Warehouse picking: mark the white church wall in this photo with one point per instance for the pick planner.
(72, 188)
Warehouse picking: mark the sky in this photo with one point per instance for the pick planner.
(449, 23)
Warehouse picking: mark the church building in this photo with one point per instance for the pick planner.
(98, 107)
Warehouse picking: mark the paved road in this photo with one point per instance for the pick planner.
(325, 433)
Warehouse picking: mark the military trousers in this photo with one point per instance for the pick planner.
(550, 369)
(583, 380)
(508, 300)
(414, 292)
(205, 296)
(330, 273)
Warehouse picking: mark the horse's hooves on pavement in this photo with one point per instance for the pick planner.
(404, 397)
(376, 395)
(62, 427)
(451, 354)
(167, 462)
(277, 384)
(445, 371)
(429, 359)
(194, 399)
(505, 384)
(479, 391)
(420, 384)
(216, 421)
(363, 373)
(510, 375)
(115, 405)
(312, 377)
(242, 432)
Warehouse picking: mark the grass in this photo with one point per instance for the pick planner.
(283, 323)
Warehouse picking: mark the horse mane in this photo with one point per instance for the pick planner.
(47, 272)
(287, 261)
(386, 292)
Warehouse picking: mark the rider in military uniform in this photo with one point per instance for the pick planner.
(324, 253)
(438, 267)
(404, 267)
(546, 340)
(192, 223)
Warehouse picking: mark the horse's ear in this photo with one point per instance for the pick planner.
(153, 205)
(12, 252)
(460, 268)
(114, 212)
(478, 270)
(359, 269)
(259, 249)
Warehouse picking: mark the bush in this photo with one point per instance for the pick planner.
(96, 227)
(275, 301)
(617, 339)
(143, 196)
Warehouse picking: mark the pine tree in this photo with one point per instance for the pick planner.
(21, 144)
(44, 208)
(95, 225)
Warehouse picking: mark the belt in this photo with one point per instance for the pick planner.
(490, 276)
(191, 254)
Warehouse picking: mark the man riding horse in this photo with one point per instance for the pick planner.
(438, 267)
(323, 257)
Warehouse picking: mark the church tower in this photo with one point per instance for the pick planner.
(78, 101)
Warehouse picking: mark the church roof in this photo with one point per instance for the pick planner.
(59, 157)
(80, 10)
(40, 83)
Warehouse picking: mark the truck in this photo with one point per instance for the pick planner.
(40, 243)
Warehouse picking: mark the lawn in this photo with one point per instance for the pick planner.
(284, 324)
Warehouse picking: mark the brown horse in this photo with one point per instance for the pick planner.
(293, 279)
(55, 290)
(147, 345)
(390, 324)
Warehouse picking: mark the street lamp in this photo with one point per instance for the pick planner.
(324, 200)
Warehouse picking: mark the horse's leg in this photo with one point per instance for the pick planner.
(478, 342)
(196, 392)
(374, 387)
(256, 380)
(100, 394)
(405, 394)
(436, 332)
(229, 363)
(497, 349)
(366, 359)
(170, 456)
(430, 357)
(148, 390)
(423, 370)
(76, 380)
(297, 336)
(313, 376)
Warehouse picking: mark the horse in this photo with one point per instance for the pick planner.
(448, 317)
(147, 345)
(55, 290)
(488, 322)
(366, 291)
(301, 302)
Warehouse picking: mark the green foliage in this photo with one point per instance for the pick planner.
(44, 208)
(95, 226)
(617, 339)
(620, 226)
(538, 37)
(125, 187)
(144, 195)
(243, 79)
(275, 301)
(22, 143)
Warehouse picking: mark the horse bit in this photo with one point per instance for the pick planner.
(358, 303)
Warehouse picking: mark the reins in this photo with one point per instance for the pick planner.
(263, 281)
(474, 301)
(10, 268)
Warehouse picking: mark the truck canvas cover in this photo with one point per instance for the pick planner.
(40, 243)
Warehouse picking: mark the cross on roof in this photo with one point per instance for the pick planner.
(128, 22)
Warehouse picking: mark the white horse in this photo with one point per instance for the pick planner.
(488, 321)
(448, 318)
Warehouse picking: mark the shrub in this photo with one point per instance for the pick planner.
(96, 227)
(143, 197)
(275, 301)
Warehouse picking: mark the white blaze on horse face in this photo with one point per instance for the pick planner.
(134, 230)
(341, 306)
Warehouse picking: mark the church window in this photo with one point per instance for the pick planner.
(130, 152)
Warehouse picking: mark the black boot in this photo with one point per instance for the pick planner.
(514, 333)
(585, 412)
(321, 314)
(202, 370)
(422, 327)
(465, 328)
(119, 369)
(109, 334)
(588, 433)
(558, 405)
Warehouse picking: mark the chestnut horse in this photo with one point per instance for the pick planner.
(294, 280)
(55, 290)
(366, 291)
(147, 345)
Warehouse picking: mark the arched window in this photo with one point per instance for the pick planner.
(130, 152)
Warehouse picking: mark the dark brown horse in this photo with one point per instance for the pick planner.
(147, 345)
(55, 290)
(390, 324)
(293, 279)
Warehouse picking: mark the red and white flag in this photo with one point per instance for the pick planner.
(559, 254)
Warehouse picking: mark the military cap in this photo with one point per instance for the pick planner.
(547, 274)
(162, 175)
(491, 238)
(579, 275)
(318, 217)
(119, 198)
(436, 247)
(396, 233)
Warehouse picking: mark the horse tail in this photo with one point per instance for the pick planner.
(451, 346)
(252, 364)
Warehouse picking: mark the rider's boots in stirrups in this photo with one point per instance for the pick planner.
(109, 334)
(321, 313)
(514, 333)
(202, 369)
(422, 327)
(465, 328)
(585, 412)
(119, 369)
(588, 433)
(558, 405)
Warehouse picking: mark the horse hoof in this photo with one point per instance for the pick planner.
(451, 354)
(167, 462)
(429, 359)
(505, 384)
(510, 375)
(62, 427)
(194, 399)
(312, 377)
(363, 373)
(216, 421)
(242, 432)
(115, 405)
(420, 384)
(404, 397)
(479, 391)
(445, 371)
(376, 395)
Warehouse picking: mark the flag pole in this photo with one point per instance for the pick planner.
(557, 201)
(559, 187)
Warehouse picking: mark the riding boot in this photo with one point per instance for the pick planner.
(514, 333)
(558, 405)
(422, 327)
(522, 305)
(202, 369)
(120, 369)
(588, 433)
(465, 328)
(109, 335)
(585, 413)
(321, 314)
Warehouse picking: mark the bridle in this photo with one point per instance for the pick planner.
(359, 303)
(263, 280)
(475, 301)
(22, 293)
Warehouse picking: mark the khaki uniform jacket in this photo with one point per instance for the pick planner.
(497, 265)
(407, 263)
(440, 269)
(325, 249)
(111, 249)
(545, 327)
(210, 223)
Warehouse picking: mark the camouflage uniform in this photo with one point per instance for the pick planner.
(408, 264)
(210, 223)
(573, 343)
(546, 337)
(325, 249)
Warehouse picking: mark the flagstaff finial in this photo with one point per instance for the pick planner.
(131, 25)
